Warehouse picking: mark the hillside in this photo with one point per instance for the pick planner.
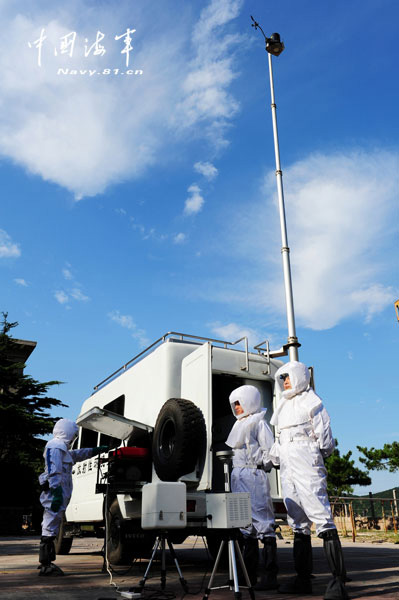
(385, 494)
(362, 504)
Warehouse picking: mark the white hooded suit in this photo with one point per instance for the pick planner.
(58, 472)
(304, 438)
(251, 440)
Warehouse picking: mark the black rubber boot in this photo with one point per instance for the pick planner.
(268, 579)
(333, 550)
(46, 555)
(303, 562)
(250, 554)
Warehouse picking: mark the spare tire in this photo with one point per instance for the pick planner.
(179, 439)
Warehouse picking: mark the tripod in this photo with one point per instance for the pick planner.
(161, 542)
(233, 546)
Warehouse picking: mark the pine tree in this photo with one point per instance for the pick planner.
(342, 473)
(24, 418)
(384, 459)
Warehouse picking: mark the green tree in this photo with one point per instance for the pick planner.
(385, 459)
(24, 417)
(342, 473)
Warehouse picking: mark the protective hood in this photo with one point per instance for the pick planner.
(298, 404)
(299, 378)
(249, 398)
(243, 429)
(65, 430)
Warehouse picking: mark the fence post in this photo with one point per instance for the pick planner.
(343, 513)
(393, 519)
(339, 518)
(353, 522)
(383, 516)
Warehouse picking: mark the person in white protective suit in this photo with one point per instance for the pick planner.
(251, 439)
(56, 483)
(304, 438)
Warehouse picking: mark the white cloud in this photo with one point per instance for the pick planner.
(61, 297)
(216, 14)
(194, 202)
(341, 217)
(211, 72)
(67, 274)
(127, 322)
(179, 238)
(8, 249)
(78, 295)
(63, 128)
(373, 299)
(72, 293)
(207, 169)
(147, 233)
(231, 332)
(122, 320)
(20, 281)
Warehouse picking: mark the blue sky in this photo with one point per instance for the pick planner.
(143, 202)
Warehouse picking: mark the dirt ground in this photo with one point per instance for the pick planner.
(373, 568)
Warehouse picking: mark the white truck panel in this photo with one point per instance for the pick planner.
(85, 505)
(147, 384)
(196, 385)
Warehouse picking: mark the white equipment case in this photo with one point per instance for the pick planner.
(228, 510)
(164, 505)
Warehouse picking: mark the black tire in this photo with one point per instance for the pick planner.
(125, 539)
(179, 439)
(62, 544)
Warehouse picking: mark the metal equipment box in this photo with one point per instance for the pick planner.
(228, 510)
(164, 505)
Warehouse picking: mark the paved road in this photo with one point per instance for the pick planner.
(374, 569)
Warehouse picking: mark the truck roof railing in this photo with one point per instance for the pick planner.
(265, 352)
(182, 337)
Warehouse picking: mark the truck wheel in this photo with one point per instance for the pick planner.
(117, 550)
(62, 544)
(125, 541)
(179, 439)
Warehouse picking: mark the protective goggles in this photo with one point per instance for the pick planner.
(284, 376)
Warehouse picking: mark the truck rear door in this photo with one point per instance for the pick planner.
(196, 385)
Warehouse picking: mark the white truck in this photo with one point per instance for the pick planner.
(166, 413)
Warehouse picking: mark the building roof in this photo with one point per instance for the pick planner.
(21, 350)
